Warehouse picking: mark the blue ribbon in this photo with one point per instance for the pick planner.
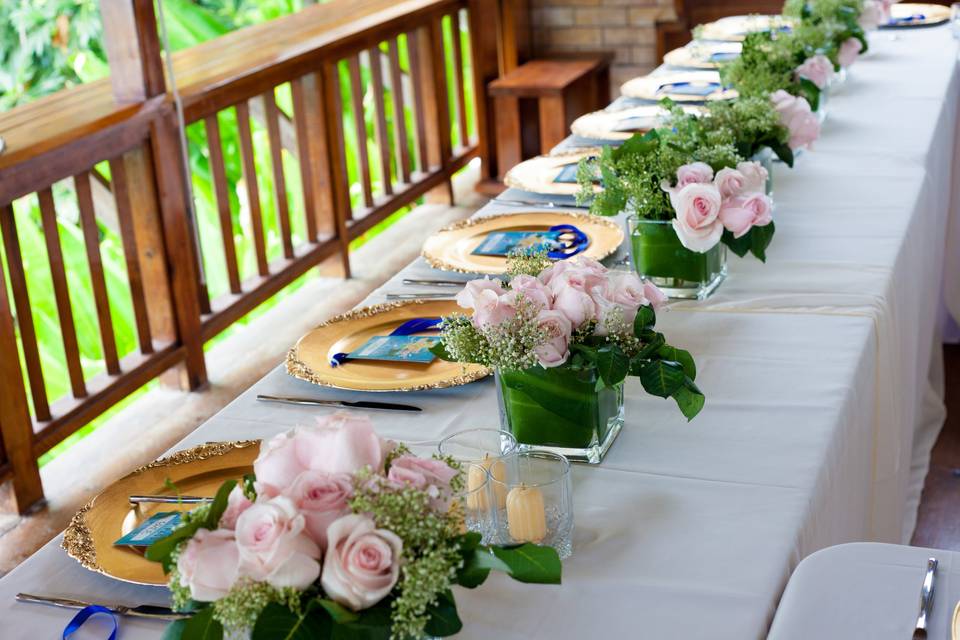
(84, 614)
(579, 242)
(410, 327)
(914, 17)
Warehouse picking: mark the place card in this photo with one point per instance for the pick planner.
(503, 243)
(156, 527)
(397, 349)
(688, 88)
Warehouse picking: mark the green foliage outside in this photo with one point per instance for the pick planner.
(49, 45)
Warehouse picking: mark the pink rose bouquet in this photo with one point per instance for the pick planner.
(577, 315)
(335, 531)
(728, 206)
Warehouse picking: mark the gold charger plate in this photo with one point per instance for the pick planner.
(451, 248)
(310, 358)
(609, 125)
(198, 471)
(932, 14)
(736, 28)
(955, 624)
(656, 87)
(701, 55)
(537, 174)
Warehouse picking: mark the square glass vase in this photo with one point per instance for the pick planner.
(560, 410)
(658, 255)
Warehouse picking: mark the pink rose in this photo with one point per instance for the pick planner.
(340, 443)
(531, 289)
(754, 177)
(492, 309)
(740, 214)
(697, 207)
(274, 545)
(362, 563)
(652, 293)
(322, 498)
(695, 172)
(849, 51)
(555, 350)
(575, 304)
(816, 69)
(432, 476)
(237, 503)
(467, 298)
(796, 116)
(730, 182)
(209, 564)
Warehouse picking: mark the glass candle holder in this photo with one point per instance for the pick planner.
(538, 501)
(477, 445)
(477, 504)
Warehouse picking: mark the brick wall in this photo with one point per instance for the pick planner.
(626, 27)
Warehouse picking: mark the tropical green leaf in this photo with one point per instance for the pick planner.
(202, 626)
(277, 622)
(531, 563)
(740, 246)
(477, 566)
(760, 239)
(612, 365)
(174, 630)
(646, 319)
(219, 505)
(682, 356)
(689, 399)
(337, 611)
(444, 620)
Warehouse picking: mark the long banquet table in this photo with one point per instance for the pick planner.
(821, 407)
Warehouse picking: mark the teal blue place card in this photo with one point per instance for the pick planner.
(156, 527)
(503, 243)
(688, 88)
(397, 349)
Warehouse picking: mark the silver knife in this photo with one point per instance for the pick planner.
(435, 283)
(421, 296)
(361, 404)
(140, 611)
(147, 499)
(926, 600)
(545, 204)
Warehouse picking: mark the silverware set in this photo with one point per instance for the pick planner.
(139, 611)
(365, 405)
(926, 600)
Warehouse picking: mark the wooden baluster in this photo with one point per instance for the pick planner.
(272, 114)
(188, 294)
(399, 108)
(118, 179)
(383, 136)
(61, 292)
(461, 101)
(28, 334)
(16, 428)
(416, 75)
(223, 200)
(433, 88)
(305, 120)
(483, 18)
(91, 237)
(333, 125)
(360, 126)
(253, 191)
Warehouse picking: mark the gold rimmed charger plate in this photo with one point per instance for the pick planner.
(537, 175)
(198, 471)
(310, 359)
(656, 87)
(955, 623)
(451, 248)
(608, 125)
(700, 54)
(736, 28)
(933, 14)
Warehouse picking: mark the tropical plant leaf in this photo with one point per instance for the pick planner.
(760, 239)
(277, 622)
(219, 505)
(202, 626)
(740, 246)
(444, 620)
(612, 365)
(682, 356)
(174, 630)
(337, 611)
(646, 319)
(477, 565)
(689, 399)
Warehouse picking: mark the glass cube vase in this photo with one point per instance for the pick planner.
(560, 410)
(658, 255)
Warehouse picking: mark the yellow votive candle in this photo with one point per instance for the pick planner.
(476, 497)
(526, 515)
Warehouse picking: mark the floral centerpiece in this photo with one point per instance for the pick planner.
(563, 338)
(336, 534)
(678, 223)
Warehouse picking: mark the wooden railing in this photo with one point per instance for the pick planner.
(125, 134)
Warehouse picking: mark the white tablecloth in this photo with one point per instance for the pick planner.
(814, 365)
(866, 591)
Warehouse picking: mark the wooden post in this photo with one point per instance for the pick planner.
(433, 78)
(133, 49)
(16, 427)
(486, 68)
(336, 168)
